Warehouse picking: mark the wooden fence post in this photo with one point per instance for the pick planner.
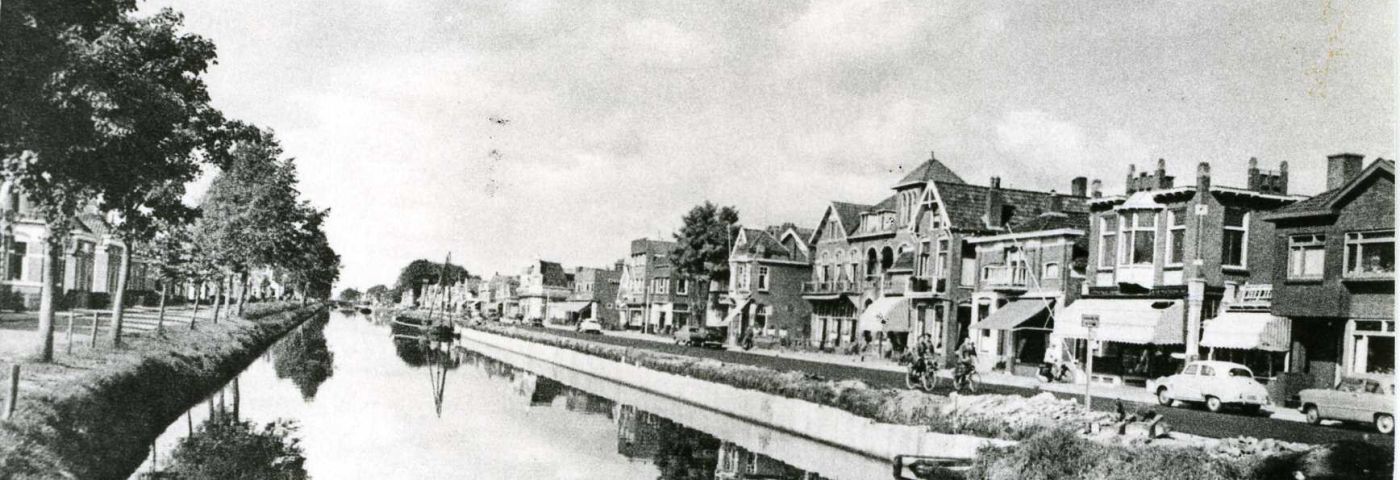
(13, 399)
(92, 341)
(70, 331)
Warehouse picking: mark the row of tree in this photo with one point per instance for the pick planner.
(102, 107)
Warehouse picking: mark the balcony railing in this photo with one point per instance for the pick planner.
(1254, 297)
(1005, 276)
(834, 286)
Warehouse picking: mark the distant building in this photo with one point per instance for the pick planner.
(1334, 274)
(594, 296)
(767, 268)
(542, 283)
(651, 296)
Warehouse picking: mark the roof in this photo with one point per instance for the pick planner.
(1327, 202)
(849, 213)
(931, 170)
(966, 205)
(646, 245)
(770, 241)
(552, 272)
(1054, 221)
(905, 262)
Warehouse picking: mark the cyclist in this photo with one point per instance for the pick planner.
(967, 361)
(923, 361)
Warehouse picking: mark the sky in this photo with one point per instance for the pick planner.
(506, 131)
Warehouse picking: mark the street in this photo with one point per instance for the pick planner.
(1191, 420)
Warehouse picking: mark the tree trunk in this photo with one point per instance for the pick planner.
(48, 293)
(218, 299)
(198, 291)
(119, 297)
(160, 317)
(243, 291)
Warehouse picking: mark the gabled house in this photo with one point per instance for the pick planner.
(1162, 260)
(1334, 276)
(767, 269)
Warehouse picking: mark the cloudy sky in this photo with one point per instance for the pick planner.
(510, 130)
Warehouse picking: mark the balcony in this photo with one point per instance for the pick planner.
(829, 287)
(927, 286)
(1005, 278)
(1254, 297)
(894, 286)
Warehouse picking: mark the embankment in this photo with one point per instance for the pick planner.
(93, 414)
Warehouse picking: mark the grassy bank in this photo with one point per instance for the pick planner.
(92, 414)
(1046, 449)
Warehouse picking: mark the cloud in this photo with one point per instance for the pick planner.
(1048, 147)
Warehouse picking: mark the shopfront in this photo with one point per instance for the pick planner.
(1136, 338)
(1258, 340)
(1369, 346)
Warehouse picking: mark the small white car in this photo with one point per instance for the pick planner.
(1366, 398)
(589, 325)
(1217, 384)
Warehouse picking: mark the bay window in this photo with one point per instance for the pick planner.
(1108, 239)
(1139, 237)
(1305, 256)
(1370, 254)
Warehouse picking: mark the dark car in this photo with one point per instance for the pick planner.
(700, 337)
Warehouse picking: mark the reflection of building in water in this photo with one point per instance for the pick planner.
(576, 400)
(638, 433)
(546, 390)
(684, 453)
(735, 463)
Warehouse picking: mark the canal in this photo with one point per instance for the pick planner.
(353, 396)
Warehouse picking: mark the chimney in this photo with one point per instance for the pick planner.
(1132, 178)
(1097, 188)
(1078, 186)
(1341, 168)
(1057, 204)
(993, 211)
(1283, 178)
(1255, 183)
(1202, 179)
(1162, 180)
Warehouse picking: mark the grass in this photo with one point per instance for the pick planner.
(1046, 450)
(91, 414)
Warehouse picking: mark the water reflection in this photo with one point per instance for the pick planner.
(305, 358)
(224, 447)
(677, 451)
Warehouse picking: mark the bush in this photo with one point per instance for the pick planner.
(229, 449)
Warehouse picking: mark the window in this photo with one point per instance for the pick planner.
(760, 320)
(1236, 236)
(1240, 372)
(1207, 371)
(1176, 236)
(1108, 240)
(1190, 370)
(763, 278)
(1051, 271)
(969, 272)
(743, 272)
(683, 287)
(1140, 237)
(1370, 254)
(940, 266)
(17, 252)
(1305, 256)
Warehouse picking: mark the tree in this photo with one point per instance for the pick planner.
(350, 295)
(703, 243)
(95, 106)
(378, 294)
(422, 272)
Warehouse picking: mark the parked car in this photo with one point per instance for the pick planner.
(589, 325)
(700, 337)
(537, 322)
(1366, 398)
(1217, 384)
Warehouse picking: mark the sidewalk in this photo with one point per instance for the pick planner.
(1100, 391)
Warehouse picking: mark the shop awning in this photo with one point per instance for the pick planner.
(1247, 331)
(1012, 315)
(889, 314)
(1126, 320)
(563, 309)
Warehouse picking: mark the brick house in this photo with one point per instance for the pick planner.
(651, 297)
(1162, 260)
(901, 267)
(594, 296)
(767, 268)
(1335, 273)
(1022, 276)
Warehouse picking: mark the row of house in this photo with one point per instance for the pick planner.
(1298, 288)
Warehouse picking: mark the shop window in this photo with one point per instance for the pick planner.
(1305, 256)
(1370, 254)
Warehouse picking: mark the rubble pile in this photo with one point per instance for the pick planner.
(1023, 414)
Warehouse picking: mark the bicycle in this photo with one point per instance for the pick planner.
(921, 375)
(969, 381)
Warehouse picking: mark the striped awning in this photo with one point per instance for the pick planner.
(1125, 320)
(1248, 331)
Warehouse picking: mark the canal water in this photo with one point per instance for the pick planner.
(353, 396)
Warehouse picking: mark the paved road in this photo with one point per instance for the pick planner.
(1188, 420)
